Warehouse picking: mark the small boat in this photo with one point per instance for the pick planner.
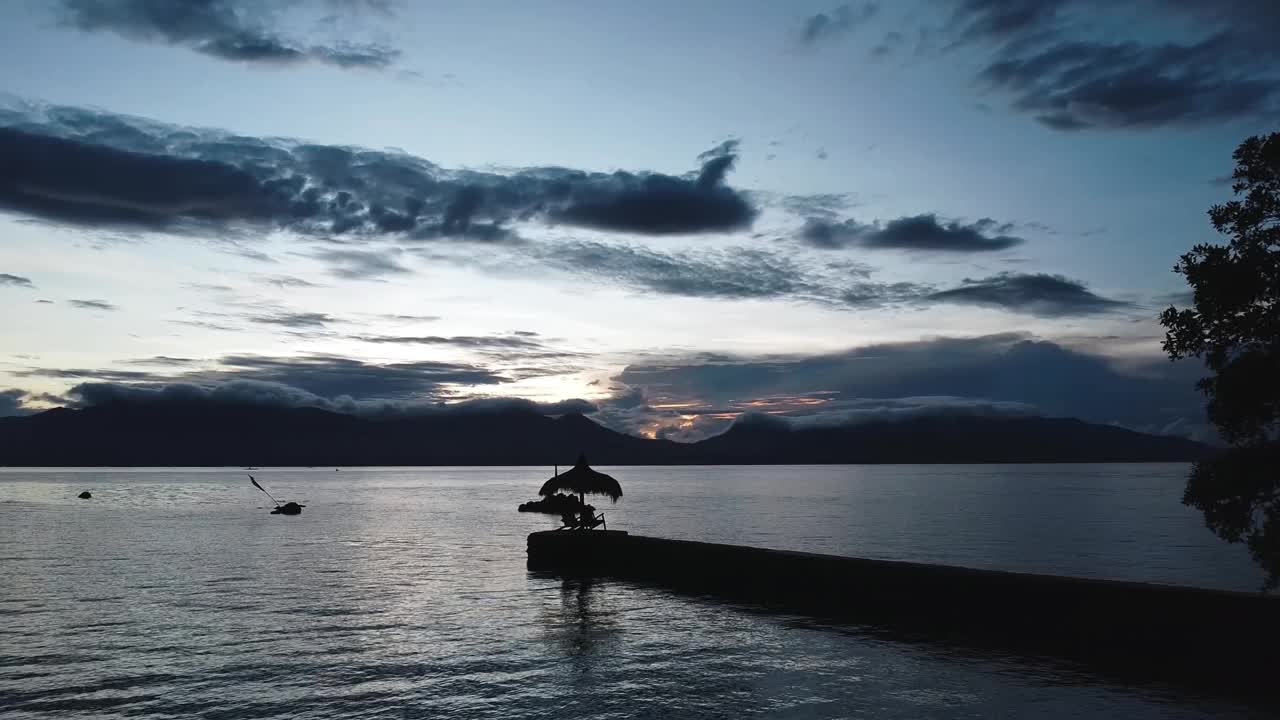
(289, 508)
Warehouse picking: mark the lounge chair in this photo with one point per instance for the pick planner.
(577, 523)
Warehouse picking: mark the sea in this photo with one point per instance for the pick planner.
(403, 593)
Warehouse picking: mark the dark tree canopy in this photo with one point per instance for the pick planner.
(1235, 328)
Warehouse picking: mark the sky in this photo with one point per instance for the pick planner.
(662, 214)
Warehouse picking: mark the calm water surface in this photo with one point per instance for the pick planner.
(403, 593)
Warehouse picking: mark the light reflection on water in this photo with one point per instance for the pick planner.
(403, 593)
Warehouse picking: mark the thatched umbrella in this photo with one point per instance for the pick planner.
(581, 479)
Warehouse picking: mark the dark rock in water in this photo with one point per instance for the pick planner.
(85, 495)
(289, 508)
(557, 504)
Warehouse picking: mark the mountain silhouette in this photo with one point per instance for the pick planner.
(210, 434)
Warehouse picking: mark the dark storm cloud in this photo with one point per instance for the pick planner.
(88, 168)
(92, 304)
(12, 403)
(335, 379)
(274, 394)
(15, 281)
(332, 376)
(1001, 373)
(92, 185)
(1035, 294)
(235, 30)
(831, 24)
(658, 204)
(921, 232)
(1080, 64)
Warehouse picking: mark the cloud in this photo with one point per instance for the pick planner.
(658, 204)
(1080, 64)
(536, 358)
(275, 394)
(86, 374)
(831, 24)
(514, 341)
(286, 281)
(208, 287)
(234, 30)
(271, 394)
(1007, 373)
(15, 281)
(294, 319)
(1034, 294)
(92, 305)
(409, 318)
(892, 41)
(163, 361)
(869, 410)
(825, 206)
(737, 273)
(207, 325)
(94, 169)
(745, 274)
(325, 376)
(867, 294)
(921, 232)
(363, 264)
(12, 403)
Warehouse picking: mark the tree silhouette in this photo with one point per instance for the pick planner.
(1235, 328)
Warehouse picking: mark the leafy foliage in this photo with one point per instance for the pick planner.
(1235, 328)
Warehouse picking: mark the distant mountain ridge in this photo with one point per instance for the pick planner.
(211, 434)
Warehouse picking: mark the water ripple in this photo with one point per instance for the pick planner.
(398, 594)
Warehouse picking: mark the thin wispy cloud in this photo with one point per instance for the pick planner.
(831, 24)
(242, 31)
(15, 281)
(92, 305)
